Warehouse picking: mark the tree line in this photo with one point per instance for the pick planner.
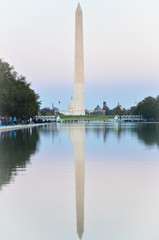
(16, 96)
(148, 108)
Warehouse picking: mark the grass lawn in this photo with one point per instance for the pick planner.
(87, 118)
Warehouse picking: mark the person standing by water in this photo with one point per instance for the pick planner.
(10, 121)
(3, 121)
(15, 120)
(6, 120)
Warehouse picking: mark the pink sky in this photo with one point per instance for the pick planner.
(120, 40)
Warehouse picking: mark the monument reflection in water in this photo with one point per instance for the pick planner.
(77, 135)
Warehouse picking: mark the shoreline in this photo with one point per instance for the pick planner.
(18, 127)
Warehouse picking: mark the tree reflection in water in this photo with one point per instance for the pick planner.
(16, 148)
(146, 132)
(149, 134)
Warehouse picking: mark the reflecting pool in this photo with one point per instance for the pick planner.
(90, 181)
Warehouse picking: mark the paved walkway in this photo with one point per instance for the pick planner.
(16, 127)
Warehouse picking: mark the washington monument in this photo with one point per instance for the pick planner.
(78, 106)
(79, 92)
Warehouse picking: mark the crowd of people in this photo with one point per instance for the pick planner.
(10, 121)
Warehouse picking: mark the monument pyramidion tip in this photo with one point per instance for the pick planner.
(79, 9)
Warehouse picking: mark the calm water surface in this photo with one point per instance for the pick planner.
(86, 180)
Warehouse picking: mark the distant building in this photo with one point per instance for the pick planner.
(119, 106)
(97, 108)
(106, 109)
(98, 111)
(104, 105)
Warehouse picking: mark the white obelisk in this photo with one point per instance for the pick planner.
(79, 91)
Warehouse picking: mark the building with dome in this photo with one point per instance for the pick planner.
(98, 111)
(71, 107)
(97, 108)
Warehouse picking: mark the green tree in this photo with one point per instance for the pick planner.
(16, 96)
(147, 108)
(132, 110)
(47, 111)
(157, 108)
(118, 111)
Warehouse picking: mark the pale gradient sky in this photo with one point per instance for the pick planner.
(121, 39)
